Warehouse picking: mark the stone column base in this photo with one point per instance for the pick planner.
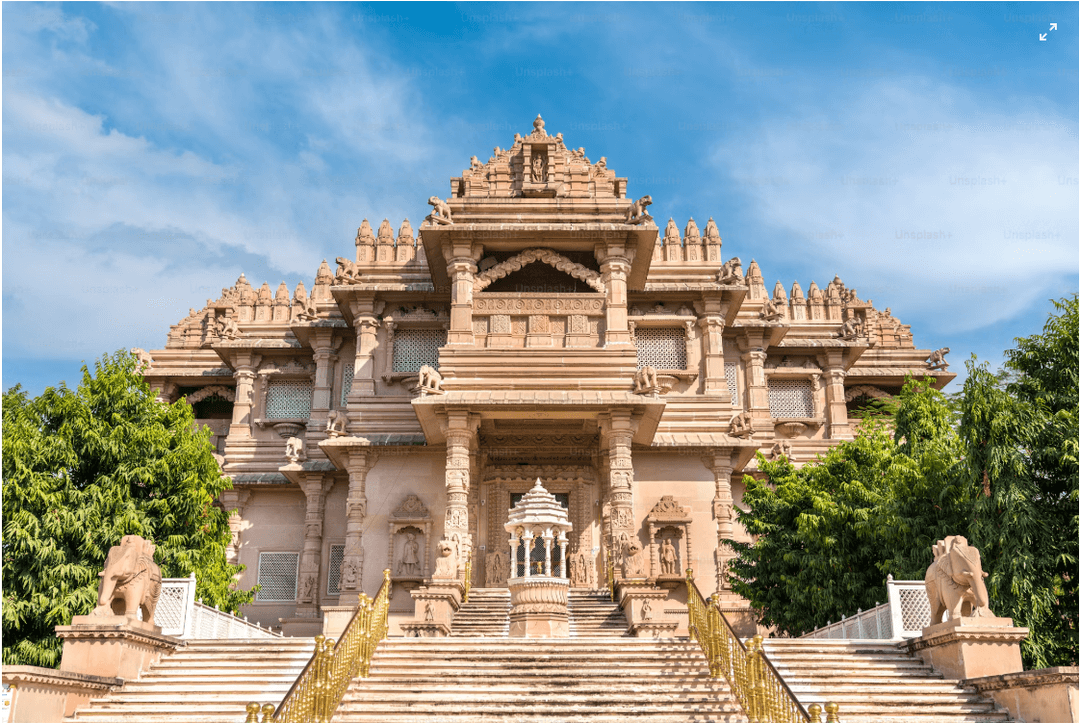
(116, 646)
(538, 607)
(45, 695)
(539, 624)
(1049, 695)
(434, 609)
(968, 647)
(644, 609)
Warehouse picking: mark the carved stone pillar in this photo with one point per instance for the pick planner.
(234, 498)
(614, 269)
(315, 487)
(165, 391)
(367, 328)
(619, 432)
(712, 333)
(323, 343)
(835, 405)
(719, 462)
(461, 267)
(245, 388)
(757, 389)
(460, 430)
(352, 566)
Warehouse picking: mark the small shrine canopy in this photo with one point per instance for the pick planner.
(538, 526)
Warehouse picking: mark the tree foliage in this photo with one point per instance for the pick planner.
(998, 464)
(82, 469)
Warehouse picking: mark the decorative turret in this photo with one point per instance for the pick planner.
(365, 243)
(755, 280)
(672, 242)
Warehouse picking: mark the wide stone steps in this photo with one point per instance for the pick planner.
(487, 613)
(206, 681)
(593, 613)
(875, 681)
(595, 678)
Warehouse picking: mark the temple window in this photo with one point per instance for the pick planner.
(333, 570)
(414, 348)
(664, 348)
(346, 383)
(289, 400)
(731, 374)
(277, 576)
(791, 398)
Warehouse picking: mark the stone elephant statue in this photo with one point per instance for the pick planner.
(954, 582)
(130, 580)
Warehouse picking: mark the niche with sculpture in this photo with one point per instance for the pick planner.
(410, 532)
(668, 524)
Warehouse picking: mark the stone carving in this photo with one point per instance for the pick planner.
(547, 256)
(496, 569)
(410, 556)
(954, 581)
(539, 169)
(440, 213)
(579, 570)
(412, 507)
(637, 213)
(937, 359)
(731, 272)
(645, 381)
(307, 594)
(349, 575)
(130, 580)
(634, 561)
(142, 358)
(308, 312)
(336, 423)
(669, 560)
(228, 328)
(474, 164)
(538, 128)
(294, 450)
(446, 564)
(781, 448)
(430, 381)
(742, 425)
(348, 272)
(429, 612)
(770, 311)
(852, 329)
(646, 610)
(219, 390)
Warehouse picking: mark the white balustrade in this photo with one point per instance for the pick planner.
(179, 615)
(903, 616)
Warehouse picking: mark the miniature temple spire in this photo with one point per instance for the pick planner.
(406, 244)
(778, 293)
(672, 242)
(384, 245)
(692, 235)
(755, 281)
(365, 243)
(712, 242)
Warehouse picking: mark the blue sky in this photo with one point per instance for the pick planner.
(925, 152)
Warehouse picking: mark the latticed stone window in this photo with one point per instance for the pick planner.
(418, 347)
(731, 374)
(333, 570)
(791, 399)
(662, 347)
(346, 382)
(291, 399)
(277, 576)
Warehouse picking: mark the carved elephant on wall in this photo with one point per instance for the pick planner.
(130, 580)
(954, 582)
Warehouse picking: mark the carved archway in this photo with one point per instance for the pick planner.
(549, 257)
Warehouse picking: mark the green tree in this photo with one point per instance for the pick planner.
(827, 534)
(1020, 434)
(83, 468)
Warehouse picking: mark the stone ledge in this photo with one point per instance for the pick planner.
(15, 674)
(1028, 678)
(969, 629)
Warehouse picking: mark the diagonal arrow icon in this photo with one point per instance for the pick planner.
(1042, 36)
(1053, 26)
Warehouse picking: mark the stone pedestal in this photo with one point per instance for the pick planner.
(538, 607)
(115, 647)
(644, 609)
(968, 647)
(335, 620)
(47, 695)
(435, 606)
(1049, 695)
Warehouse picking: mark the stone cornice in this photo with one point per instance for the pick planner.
(16, 674)
(1005, 635)
(97, 631)
(1029, 678)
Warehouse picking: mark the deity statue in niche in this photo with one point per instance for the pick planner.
(539, 169)
(668, 558)
(410, 556)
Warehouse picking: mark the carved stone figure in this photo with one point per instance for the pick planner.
(307, 594)
(349, 575)
(645, 380)
(731, 272)
(781, 448)
(474, 164)
(430, 380)
(538, 127)
(130, 580)
(440, 213)
(742, 424)
(634, 562)
(446, 564)
(770, 311)
(497, 573)
(294, 450)
(337, 423)
(539, 169)
(142, 357)
(308, 312)
(669, 561)
(646, 609)
(852, 328)
(637, 213)
(347, 271)
(228, 328)
(410, 557)
(429, 612)
(937, 359)
(954, 582)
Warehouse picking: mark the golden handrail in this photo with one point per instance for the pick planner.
(754, 681)
(468, 578)
(318, 690)
(611, 573)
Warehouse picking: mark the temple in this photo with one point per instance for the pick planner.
(537, 325)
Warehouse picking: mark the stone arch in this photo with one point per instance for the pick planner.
(549, 257)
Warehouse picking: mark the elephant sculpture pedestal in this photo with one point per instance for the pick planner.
(968, 647)
(116, 646)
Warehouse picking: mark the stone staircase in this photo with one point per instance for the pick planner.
(486, 614)
(593, 614)
(474, 679)
(875, 681)
(206, 681)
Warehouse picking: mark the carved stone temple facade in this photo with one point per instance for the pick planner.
(538, 324)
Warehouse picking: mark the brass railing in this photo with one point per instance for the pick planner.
(318, 690)
(468, 578)
(611, 574)
(754, 681)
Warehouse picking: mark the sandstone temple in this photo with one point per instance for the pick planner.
(537, 325)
